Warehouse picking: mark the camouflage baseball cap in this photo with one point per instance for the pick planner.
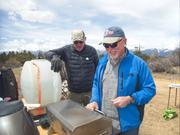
(77, 35)
(112, 35)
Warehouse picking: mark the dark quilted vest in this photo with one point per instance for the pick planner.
(80, 66)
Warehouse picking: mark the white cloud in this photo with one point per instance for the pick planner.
(150, 23)
(28, 11)
(17, 5)
(12, 15)
(34, 45)
(136, 8)
(37, 16)
(85, 23)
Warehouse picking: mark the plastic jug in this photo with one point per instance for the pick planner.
(39, 84)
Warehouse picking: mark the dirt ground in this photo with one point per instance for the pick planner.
(153, 123)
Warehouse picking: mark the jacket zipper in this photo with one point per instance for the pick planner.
(122, 83)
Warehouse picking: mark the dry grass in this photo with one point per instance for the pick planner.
(153, 123)
(17, 73)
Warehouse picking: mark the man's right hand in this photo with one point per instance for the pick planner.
(56, 64)
(92, 106)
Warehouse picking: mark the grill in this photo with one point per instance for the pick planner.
(70, 118)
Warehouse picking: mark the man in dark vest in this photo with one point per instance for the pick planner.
(80, 61)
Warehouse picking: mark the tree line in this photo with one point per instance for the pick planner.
(15, 59)
(169, 64)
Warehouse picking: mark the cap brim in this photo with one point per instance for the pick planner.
(110, 40)
(78, 39)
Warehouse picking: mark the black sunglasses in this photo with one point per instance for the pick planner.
(113, 45)
(76, 42)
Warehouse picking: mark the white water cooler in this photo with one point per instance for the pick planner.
(39, 84)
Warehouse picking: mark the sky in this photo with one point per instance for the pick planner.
(47, 24)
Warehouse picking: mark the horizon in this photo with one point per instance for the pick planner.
(100, 50)
(43, 25)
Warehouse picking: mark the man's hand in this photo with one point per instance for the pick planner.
(92, 106)
(56, 64)
(121, 102)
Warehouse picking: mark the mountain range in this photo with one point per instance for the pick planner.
(150, 52)
(157, 52)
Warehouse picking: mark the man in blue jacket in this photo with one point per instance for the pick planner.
(122, 84)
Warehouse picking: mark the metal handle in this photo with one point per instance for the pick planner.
(100, 112)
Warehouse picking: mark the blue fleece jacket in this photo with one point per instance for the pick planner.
(134, 79)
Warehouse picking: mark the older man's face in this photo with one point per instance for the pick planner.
(79, 45)
(116, 52)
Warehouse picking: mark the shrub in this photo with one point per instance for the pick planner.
(162, 65)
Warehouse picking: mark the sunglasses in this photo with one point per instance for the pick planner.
(76, 42)
(113, 45)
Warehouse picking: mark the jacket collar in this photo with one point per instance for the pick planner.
(74, 50)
